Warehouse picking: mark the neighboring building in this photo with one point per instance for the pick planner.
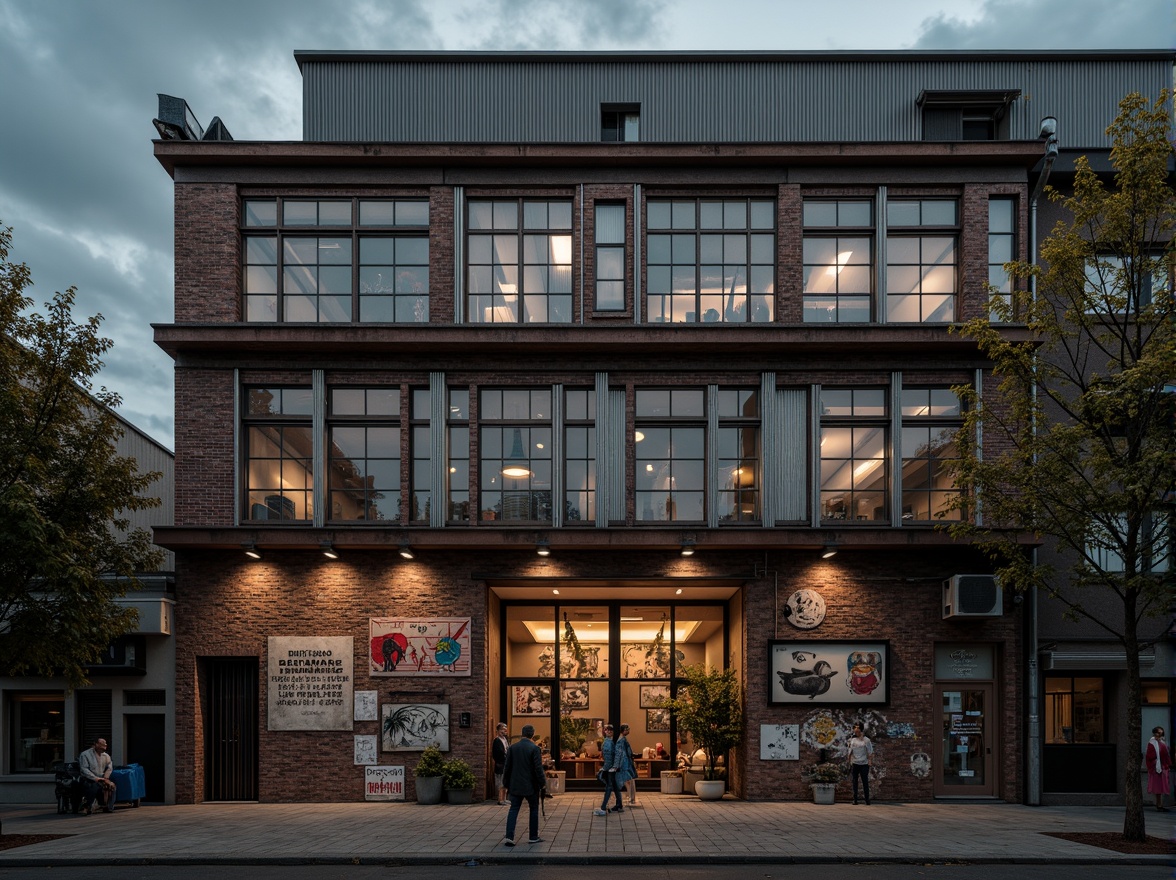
(131, 698)
(618, 350)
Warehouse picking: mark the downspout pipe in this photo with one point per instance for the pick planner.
(1049, 133)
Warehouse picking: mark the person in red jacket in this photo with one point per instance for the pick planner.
(1159, 762)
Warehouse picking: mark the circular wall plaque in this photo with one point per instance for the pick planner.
(805, 609)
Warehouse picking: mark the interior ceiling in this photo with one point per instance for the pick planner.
(575, 590)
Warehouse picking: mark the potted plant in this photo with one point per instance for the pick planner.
(711, 712)
(429, 773)
(459, 781)
(824, 779)
(671, 782)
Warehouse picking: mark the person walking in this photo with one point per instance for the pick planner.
(608, 773)
(1159, 762)
(522, 774)
(626, 769)
(498, 754)
(861, 756)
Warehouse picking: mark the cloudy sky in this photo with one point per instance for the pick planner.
(90, 207)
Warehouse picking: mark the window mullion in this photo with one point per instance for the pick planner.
(711, 452)
(895, 441)
(880, 314)
(319, 433)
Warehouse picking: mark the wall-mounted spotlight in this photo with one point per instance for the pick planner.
(250, 550)
(687, 546)
(829, 552)
(406, 551)
(542, 548)
(329, 550)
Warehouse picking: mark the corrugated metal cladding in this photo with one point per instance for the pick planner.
(544, 101)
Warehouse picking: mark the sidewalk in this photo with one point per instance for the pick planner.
(664, 829)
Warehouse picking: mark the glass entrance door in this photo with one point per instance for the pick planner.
(968, 728)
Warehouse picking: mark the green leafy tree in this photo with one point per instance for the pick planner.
(66, 548)
(710, 711)
(1082, 417)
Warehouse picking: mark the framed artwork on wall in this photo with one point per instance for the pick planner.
(855, 673)
(573, 695)
(413, 727)
(418, 646)
(531, 699)
(657, 720)
(654, 696)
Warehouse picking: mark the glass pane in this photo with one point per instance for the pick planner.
(610, 224)
(820, 213)
(964, 746)
(261, 212)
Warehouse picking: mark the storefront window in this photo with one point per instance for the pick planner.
(1074, 710)
(38, 732)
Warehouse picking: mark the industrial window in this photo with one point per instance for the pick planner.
(620, 122)
(519, 255)
(1107, 537)
(580, 456)
(738, 458)
(1121, 286)
(515, 454)
(1002, 244)
(1074, 710)
(960, 115)
(422, 456)
(671, 455)
(279, 452)
(711, 261)
(930, 421)
(838, 260)
(37, 734)
(921, 260)
(459, 455)
(363, 466)
(854, 471)
(610, 257)
(292, 274)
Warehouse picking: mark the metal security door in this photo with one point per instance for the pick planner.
(967, 752)
(230, 735)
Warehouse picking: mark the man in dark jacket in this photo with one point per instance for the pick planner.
(524, 778)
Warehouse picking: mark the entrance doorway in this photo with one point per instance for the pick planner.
(145, 746)
(569, 668)
(230, 728)
(966, 766)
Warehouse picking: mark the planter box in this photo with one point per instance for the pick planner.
(670, 783)
(428, 789)
(710, 789)
(459, 795)
(557, 781)
(824, 792)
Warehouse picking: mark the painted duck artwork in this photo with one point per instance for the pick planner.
(809, 683)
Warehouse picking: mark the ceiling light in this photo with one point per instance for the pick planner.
(555, 592)
(516, 464)
(638, 436)
(329, 550)
(829, 552)
(251, 550)
(406, 551)
(678, 592)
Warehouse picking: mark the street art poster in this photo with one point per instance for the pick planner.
(531, 699)
(310, 682)
(365, 749)
(383, 783)
(403, 647)
(573, 695)
(413, 727)
(853, 673)
(365, 706)
(779, 742)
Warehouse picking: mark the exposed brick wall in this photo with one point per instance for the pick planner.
(204, 447)
(208, 253)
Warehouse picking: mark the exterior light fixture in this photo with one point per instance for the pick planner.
(542, 548)
(829, 552)
(329, 550)
(406, 551)
(687, 546)
(250, 550)
(678, 592)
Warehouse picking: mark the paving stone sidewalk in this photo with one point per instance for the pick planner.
(663, 829)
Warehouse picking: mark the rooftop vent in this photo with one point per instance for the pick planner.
(177, 122)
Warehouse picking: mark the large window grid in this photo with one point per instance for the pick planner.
(519, 255)
(363, 466)
(671, 455)
(515, 454)
(580, 456)
(711, 261)
(294, 275)
(610, 256)
(1002, 244)
(279, 453)
(930, 422)
(838, 260)
(921, 260)
(738, 455)
(854, 469)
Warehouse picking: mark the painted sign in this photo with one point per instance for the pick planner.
(310, 681)
(383, 783)
(856, 673)
(412, 646)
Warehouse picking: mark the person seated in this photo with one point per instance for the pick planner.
(96, 768)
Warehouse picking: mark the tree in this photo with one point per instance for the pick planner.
(66, 549)
(710, 711)
(1081, 415)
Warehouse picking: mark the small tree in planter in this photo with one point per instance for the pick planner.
(711, 712)
(429, 773)
(459, 781)
(824, 778)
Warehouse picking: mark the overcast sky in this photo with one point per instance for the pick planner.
(90, 206)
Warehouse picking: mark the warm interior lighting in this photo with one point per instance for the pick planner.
(555, 592)
(329, 550)
(829, 552)
(250, 550)
(516, 463)
(638, 436)
(406, 551)
(544, 632)
(678, 592)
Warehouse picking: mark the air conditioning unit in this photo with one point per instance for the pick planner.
(972, 595)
